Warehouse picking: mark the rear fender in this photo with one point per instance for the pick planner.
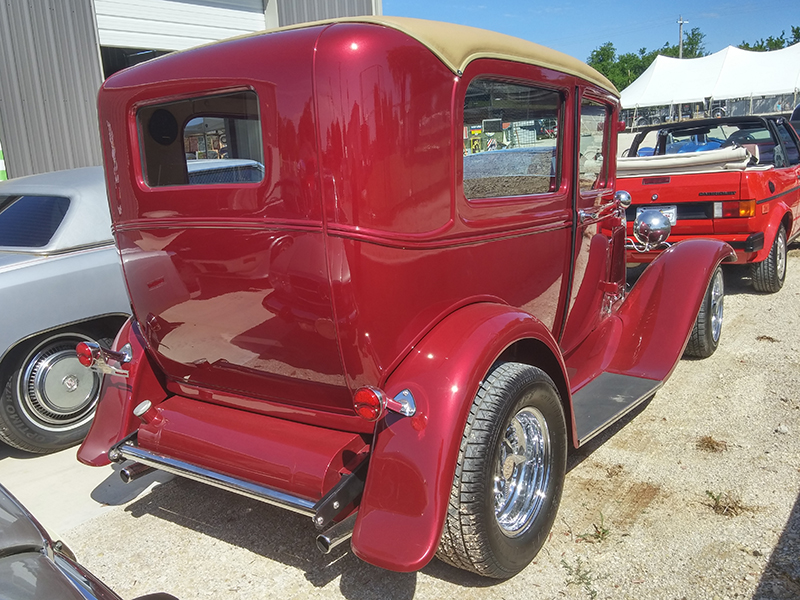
(659, 312)
(779, 214)
(413, 460)
(114, 418)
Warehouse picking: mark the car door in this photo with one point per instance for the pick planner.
(791, 159)
(598, 246)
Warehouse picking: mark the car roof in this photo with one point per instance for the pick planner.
(87, 221)
(458, 45)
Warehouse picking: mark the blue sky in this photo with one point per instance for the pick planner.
(577, 28)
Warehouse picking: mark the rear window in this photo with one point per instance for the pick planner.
(511, 139)
(30, 221)
(202, 141)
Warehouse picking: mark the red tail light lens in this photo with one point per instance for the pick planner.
(85, 355)
(735, 208)
(369, 403)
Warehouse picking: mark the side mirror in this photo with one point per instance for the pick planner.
(651, 228)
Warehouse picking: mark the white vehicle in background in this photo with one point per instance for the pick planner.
(60, 284)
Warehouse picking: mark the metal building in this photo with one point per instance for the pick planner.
(54, 54)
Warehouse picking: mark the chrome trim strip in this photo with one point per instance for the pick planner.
(225, 482)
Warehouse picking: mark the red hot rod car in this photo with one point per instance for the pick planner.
(396, 304)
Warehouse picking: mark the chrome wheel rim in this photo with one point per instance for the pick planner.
(717, 301)
(522, 471)
(780, 256)
(57, 392)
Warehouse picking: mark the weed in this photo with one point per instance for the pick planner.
(582, 576)
(599, 534)
(709, 444)
(725, 503)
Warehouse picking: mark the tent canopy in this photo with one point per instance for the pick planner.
(729, 73)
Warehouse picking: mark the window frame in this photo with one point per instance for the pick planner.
(539, 85)
(138, 127)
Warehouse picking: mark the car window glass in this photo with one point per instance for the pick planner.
(792, 154)
(594, 117)
(202, 141)
(30, 221)
(511, 139)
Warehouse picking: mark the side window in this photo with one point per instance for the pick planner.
(789, 142)
(202, 141)
(511, 139)
(594, 120)
(30, 221)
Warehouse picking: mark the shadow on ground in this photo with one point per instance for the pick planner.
(781, 579)
(284, 537)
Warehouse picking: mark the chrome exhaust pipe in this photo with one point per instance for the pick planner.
(335, 535)
(134, 471)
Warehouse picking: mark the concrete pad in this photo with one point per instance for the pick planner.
(63, 493)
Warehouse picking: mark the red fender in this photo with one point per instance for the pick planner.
(411, 469)
(777, 214)
(659, 312)
(114, 418)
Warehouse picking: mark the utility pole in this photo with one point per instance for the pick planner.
(680, 36)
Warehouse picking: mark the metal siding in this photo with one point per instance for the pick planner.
(49, 77)
(175, 24)
(300, 11)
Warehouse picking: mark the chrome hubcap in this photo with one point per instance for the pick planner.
(56, 390)
(717, 300)
(522, 471)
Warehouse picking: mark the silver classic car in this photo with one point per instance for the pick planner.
(60, 284)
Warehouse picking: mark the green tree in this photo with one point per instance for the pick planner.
(772, 42)
(624, 69)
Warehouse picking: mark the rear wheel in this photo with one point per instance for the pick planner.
(48, 402)
(768, 275)
(509, 475)
(708, 327)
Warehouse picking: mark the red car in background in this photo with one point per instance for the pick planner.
(735, 179)
(403, 317)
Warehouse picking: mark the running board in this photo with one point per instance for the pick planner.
(129, 450)
(607, 398)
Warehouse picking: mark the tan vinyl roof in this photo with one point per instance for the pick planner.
(458, 45)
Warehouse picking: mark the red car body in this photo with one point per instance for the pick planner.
(743, 199)
(358, 262)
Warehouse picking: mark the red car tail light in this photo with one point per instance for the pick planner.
(734, 208)
(85, 355)
(369, 403)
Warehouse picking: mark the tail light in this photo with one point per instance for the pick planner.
(734, 208)
(370, 403)
(95, 357)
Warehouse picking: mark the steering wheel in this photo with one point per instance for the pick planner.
(738, 138)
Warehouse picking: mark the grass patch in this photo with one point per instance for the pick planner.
(582, 576)
(725, 504)
(600, 533)
(709, 444)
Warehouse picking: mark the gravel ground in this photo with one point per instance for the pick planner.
(637, 520)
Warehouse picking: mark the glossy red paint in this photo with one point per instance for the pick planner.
(358, 260)
(114, 419)
(413, 459)
(277, 453)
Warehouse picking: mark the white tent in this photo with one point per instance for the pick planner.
(729, 73)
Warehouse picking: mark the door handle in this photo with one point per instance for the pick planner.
(596, 212)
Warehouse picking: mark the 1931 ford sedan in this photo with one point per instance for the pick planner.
(404, 299)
